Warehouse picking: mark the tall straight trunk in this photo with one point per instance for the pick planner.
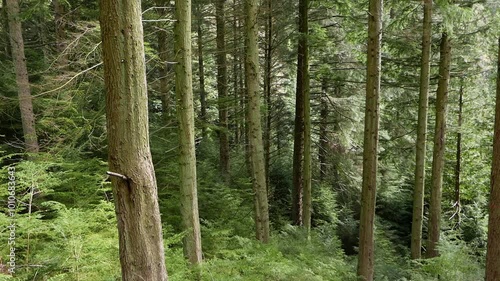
(163, 69)
(254, 122)
(134, 190)
(185, 113)
(439, 146)
(60, 24)
(298, 137)
(493, 248)
(458, 165)
(323, 133)
(5, 29)
(201, 71)
(22, 81)
(222, 87)
(303, 56)
(418, 193)
(236, 76)
(370, 147)
(267, 85)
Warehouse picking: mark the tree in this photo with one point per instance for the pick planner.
(134, 184)
(201, 70)
(222, 87)
(369, 185)
(185, 112)
(257, 163)
(493, 248)
(418, 193)
(439, 146)
(22, 81)
(163, 69)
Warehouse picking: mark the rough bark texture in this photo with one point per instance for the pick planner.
(439, 146)
(136, 200)
(222, 87)
(493, 248)
(185, 112)
(418, 193)
(303, 56)
(201, 72)
(369, 186)
(23, 85)
(257, 164)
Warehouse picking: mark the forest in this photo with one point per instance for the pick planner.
(308, 140)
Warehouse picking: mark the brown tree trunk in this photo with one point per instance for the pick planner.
(267, 85)
(135, 192)
(185, 113)
(60, 23)
(222, 88)
(370, 147)
(257, 162)
(236, 77)
(201, 72)
(22, 81)
(439, 146)
(493, 248)
(458, 165)
(418, 193)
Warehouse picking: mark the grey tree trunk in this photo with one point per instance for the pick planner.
(22, 81)
(439, 146)
(185, 112)
(135, 193)
(370, 151)
(257, 163)
(418, 193)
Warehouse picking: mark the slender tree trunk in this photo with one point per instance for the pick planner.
(459, 157)
(323, 133)
(163, 69)
(185, 112)
(493, 248)
(418, 193)
(303, 56)
(254, 122)
(135, 193)
(5, 29)
(22, 81)
(236, 76)
(222, 87)
(369, 185)
(267, 85)
(201, 72)
(60, 24)
(439, 146)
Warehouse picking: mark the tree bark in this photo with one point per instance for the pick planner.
(369, 185)
(222, 88)
(418, 193)
(439, 146)
(257, 162)
(22, 81)
(60, 24)
(185, 112)
(163, 69)
(493, 246)
(267, 85)
(458, 165)
(135, 194)
(201, 72)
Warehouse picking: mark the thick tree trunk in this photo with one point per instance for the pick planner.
(201, 72)
(418, 193)
(303, 57)
(135, 194)
(372, 114)
(163, 69)
(22, 81)
(493, 248)
(222, 88)
(439, 146)
(254, 122)
(185, 112)
(458, 165)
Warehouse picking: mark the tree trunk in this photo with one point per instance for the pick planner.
(185, 112)
(236, 77)
(201, 72)
(439, 146)
(369, 185)
(458, 157)
(323, 133)
(163, 69)
(22, 81)
(254, 122)
(493, 248)
(267, 85)
(418, 193)
(135, 194)
(303, 58)
(60, 24)
(222, 88)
